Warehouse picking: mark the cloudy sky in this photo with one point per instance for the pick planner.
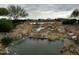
(48, 10)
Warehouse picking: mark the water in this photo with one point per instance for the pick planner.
(36, 47)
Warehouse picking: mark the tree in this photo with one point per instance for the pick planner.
(16, 12)
(75, 13)
(3, 12)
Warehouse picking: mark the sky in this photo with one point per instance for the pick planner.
(37, 11)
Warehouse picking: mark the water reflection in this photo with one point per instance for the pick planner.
(36, 47)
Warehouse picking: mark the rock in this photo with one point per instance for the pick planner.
(7, 51)
(70, 34)
(61, 30)
(61, 51)
(74, 37)
(51, 39)
(67, 53)
(3, 51)
(72, 49)
(77, 51)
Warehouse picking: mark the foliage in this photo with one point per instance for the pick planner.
(17, 11)
(3, 12)
(75, 13)
(69, 22)
(5, 25)
(6, 41)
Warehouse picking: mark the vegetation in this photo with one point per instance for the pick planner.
(69, 22)
(16, 12)
(75, 13)
(6, 41)
(5, 25)
(3, 12)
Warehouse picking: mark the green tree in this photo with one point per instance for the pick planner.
(3, 12)
(75, 13)
(16, 11)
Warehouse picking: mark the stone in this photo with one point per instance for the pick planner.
(72, 49)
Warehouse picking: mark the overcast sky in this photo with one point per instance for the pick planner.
(48, 10)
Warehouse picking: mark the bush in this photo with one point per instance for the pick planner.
(6, 41)
(5, 25)
(69, 22)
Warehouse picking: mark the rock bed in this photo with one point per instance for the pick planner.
(54, 31)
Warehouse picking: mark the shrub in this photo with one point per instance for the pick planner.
(5, 25)
(6, 41)
(69, 22)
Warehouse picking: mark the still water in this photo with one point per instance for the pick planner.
(36, 47)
